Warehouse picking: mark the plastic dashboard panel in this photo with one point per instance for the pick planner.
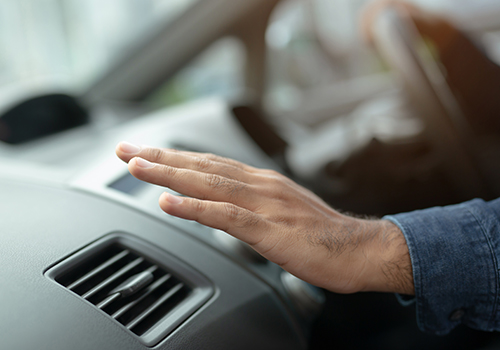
(42, 225)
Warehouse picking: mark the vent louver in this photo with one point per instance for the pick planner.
(141, 287)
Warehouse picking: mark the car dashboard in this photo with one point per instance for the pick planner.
(84, 246)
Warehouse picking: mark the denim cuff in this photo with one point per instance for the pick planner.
(454, 253)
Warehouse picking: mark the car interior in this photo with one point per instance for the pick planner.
(89, 259)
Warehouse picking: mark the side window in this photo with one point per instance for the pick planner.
(219, 71)
(73, 41)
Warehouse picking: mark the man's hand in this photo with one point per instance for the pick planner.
(281, 220)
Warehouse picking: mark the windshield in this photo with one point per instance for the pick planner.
(71, 42)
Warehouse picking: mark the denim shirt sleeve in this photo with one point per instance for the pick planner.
(454, 252)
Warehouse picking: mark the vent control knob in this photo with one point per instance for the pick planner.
(133, 284)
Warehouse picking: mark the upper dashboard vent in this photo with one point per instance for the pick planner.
(138, 285)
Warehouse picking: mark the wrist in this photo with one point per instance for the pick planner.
(387, 260)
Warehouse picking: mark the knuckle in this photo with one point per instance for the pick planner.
(284, 220)
(232, 212)
(236, 189)
(198, 206)
(236, 164)
(250, 220)
(169, 171)
(212, 180)
(275, 181)
(271, 177)
(227, 161)
(239, 217)
(228, 187)
(204, 164)
(277, 188)
(155, 154)
(272, 173)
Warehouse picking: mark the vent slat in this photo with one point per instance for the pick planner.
(154, 306)
(113, 277)
(114, 297)
(135, 283)
(108, 300)
(150, 290)
(98, 269)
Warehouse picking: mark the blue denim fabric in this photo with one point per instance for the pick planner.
(455, 253)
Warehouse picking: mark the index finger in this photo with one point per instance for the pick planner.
(202, 162)
(193, 183)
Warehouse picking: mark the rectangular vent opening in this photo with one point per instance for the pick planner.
(167, 293)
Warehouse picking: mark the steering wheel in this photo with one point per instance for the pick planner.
(447, 130)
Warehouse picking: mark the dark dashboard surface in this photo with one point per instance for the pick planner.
(43, 224)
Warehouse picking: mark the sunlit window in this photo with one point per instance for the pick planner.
(72, 41)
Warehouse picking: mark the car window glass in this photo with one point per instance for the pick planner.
(216, 71)
(72, 41)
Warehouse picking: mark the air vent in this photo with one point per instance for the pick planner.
(143, 288)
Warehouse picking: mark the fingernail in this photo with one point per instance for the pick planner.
(143, 163)
(129, 148)
(174, 199)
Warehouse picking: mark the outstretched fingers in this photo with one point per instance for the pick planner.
(193, 183)
(239, 222)
(203, 162)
